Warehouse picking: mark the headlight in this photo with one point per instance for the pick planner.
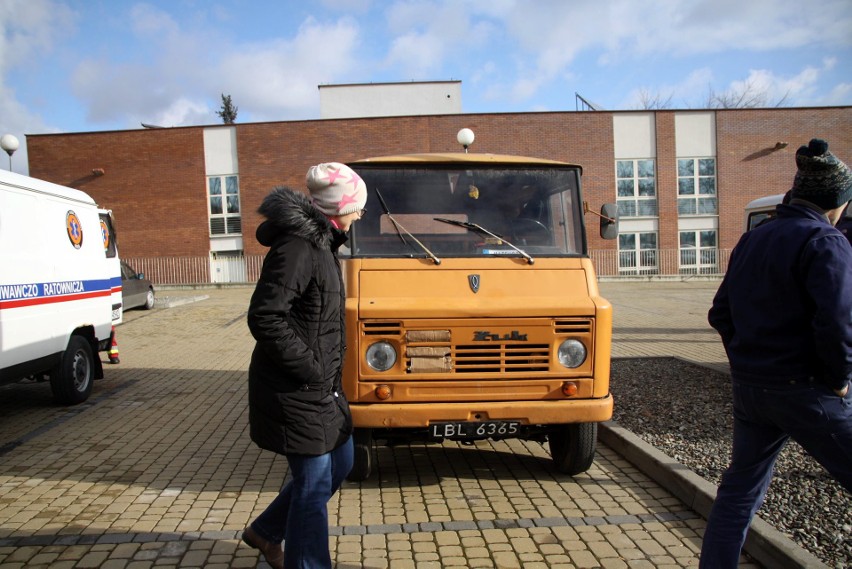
(381, 356)
(571, 353)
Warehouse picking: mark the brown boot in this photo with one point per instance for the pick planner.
(271, 551)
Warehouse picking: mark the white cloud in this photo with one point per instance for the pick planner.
(168, 63)
(279, 79)
(29, 32)
(767, 88)
(180, 81)
(684, 94)
(425, 35)
(557, 36)
(29, 29)
(840, 94)
(147, 20)
(182, 111)
(359, 6)
(798, 90)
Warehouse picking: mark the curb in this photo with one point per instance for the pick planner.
(172, 301)
(764, 543)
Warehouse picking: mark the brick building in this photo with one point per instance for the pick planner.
(681, 178)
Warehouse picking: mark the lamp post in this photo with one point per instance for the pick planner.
(465, 138)
(9, 143)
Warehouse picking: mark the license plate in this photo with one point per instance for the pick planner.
(474, 429)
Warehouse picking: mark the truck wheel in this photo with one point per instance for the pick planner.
(572, 447)
(149, 300)
(363, 462)
(71, 381)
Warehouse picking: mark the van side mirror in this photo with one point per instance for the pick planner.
(609, 221)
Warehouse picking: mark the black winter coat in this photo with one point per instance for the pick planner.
(296, 315)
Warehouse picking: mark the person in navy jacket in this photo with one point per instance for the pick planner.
(784, 313)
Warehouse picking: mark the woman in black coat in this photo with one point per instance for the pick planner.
(297, 407)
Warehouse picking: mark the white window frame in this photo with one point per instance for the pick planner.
(696, 188)
(698, 258)
(630, 205)
(228, 221)
(640, 259)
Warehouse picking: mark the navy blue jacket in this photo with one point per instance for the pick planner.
(784, 308)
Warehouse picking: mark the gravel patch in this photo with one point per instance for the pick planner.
(684, 410)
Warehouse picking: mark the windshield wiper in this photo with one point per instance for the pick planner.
(400, 229)
(482, 231)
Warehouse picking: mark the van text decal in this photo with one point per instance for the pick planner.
(28, 294)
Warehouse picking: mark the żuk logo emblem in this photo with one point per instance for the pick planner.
(473, 281)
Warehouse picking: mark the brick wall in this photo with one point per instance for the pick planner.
(666, 174)
(154, 180)
(748, 164)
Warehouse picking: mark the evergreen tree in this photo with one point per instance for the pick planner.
(228, 113)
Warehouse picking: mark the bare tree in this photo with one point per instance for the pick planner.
(654, 101)
(228, 112)
(749, 96)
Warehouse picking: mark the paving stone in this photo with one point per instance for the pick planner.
(157, 470)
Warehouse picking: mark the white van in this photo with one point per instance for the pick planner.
(761, 209)
(60, 285)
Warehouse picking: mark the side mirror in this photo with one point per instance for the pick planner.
(140, 276)
(609, 221)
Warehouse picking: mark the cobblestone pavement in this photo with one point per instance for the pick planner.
(157, 470)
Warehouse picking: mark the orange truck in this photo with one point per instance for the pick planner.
(473, 308)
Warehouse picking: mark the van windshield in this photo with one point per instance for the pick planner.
(535, 209)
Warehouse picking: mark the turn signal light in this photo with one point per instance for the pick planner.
(569, 389)
(383, 392)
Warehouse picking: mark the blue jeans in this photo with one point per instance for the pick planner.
(764, 419)
(299, 514)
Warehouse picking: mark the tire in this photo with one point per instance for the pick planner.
(362, 464)
(572, 447)
(149, 300)
(71, 381)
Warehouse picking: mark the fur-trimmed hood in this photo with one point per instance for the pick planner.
(290, 212)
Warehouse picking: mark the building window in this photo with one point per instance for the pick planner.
(698, 252)
(223, 193)
(696, 186)
(636, 188)
(637, 253)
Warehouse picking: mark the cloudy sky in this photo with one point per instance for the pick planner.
(87, 65)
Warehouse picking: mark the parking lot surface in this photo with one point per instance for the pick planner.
(157, 469)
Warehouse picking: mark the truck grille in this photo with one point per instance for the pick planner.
(501, 358)
(435, 351)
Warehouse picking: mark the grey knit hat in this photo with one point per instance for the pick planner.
(821, 178)
(336, 189)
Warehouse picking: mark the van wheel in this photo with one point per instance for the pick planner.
(149, 300)
(572, 447)
(363, 460)
(71, 381)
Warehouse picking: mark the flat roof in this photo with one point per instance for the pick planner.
(470, 158)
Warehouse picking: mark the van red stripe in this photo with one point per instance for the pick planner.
(4, 304)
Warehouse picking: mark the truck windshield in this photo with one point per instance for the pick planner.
(535, 209)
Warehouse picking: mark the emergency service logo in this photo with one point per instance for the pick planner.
(105, 235)
(74, 228)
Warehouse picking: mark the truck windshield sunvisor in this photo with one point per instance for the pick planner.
(526, 212)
